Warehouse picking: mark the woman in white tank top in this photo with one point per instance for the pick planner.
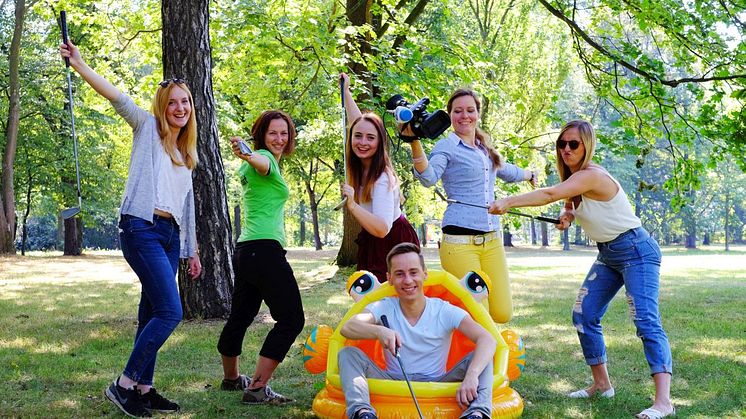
(627, 257)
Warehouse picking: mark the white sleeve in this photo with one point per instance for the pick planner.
(385, 200)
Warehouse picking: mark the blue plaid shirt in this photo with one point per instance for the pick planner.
(469, 176)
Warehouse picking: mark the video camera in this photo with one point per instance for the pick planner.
(422, 123)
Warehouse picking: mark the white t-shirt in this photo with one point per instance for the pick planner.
(384, 200)
(425, 345)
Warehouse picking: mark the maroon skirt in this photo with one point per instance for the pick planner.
(372, 251)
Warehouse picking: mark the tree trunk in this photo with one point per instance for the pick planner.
(507, 237)
(236, 223)
(8, 200)
(347, 255)
(544, 235)
(73, 237)
(314, 213)
(566, 239)
(423, 234)
(187, 55)
(533, 232)
(579, 236)
(302, 229)
(727, 220)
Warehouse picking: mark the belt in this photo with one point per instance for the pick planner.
(477, 239)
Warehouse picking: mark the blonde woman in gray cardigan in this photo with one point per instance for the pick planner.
(156, 224)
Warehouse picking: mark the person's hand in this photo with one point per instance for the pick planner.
(236, 150)
(195, 267)
(467, 392)
(349, 193)
(71, 52)
(565, 219)
(499, 207)
(390, 340)
(345, 81)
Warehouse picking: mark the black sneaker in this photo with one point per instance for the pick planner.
(154, 402)
(264, 395)
(365, 415)
(239, 384)
(127, 400)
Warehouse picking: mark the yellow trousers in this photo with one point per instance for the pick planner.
(458, 259)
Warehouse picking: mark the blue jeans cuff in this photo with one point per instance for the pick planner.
(596, 360)
(657, 369)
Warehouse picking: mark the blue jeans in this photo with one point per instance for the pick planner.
(355, 367)
(632, 259)
(152, 251)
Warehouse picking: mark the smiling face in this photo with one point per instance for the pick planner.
(179, 108)
(572, 158)
(365, 140)
(464, 116)
(407, 275)
(276, 138)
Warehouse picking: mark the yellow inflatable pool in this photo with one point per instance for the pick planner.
(391, 398)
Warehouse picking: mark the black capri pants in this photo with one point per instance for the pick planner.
(263, 274)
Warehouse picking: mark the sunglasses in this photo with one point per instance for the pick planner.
(574, 144)
(166, 82)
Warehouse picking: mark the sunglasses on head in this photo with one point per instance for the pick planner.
(166, 82)
(574, 144)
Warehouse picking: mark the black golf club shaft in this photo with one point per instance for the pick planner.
(454, 201)
(344, 137)
(385, 322)
(63, 24)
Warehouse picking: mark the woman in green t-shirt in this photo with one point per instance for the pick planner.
(262, 271)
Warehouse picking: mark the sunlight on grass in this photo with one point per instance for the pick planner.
(68, 323)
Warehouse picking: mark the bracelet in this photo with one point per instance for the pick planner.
(533, 176)
(420, 159)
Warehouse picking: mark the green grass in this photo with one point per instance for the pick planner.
(66, 328)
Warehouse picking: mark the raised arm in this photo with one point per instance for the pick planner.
(99, 84)
(579, 183)
(353, 112)
(256, 160)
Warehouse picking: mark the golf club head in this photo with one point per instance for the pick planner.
(70, 213)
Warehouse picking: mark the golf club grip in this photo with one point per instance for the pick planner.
(548, 220)
(63, 25)
(385, 322)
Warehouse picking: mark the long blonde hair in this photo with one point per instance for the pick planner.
(186, 141)
(482, 136)
(587, 136)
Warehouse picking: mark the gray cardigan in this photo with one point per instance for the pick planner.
(139, 194)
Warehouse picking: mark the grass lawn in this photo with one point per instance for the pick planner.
(67, 324)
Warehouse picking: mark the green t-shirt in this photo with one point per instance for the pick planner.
(263, 202)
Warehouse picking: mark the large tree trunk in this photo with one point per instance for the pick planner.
(544, 235)
(347, 255)
(8, 200)
(187, 55)
(73, 237)
(314, 213)
(566, 239)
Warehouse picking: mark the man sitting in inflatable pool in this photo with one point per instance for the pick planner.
(421, 329)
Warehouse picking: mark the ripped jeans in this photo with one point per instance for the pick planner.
(633, 260)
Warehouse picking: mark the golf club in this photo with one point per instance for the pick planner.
(71, 212)
(344, 137)
(385, 322)
(454, 201)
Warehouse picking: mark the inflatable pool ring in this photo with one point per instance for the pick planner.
(316, 348)
(437, 400)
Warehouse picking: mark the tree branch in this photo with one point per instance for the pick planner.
(652, 77)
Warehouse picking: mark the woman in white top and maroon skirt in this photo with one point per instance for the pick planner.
(373, 195)
(627, 257)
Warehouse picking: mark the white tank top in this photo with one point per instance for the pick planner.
(172, 184)
(603, 221)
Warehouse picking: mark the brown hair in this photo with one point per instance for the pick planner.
(261, 125)
(186, 141)
(482, 136)
(587, 136)
(379, 164)
(403, 248)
